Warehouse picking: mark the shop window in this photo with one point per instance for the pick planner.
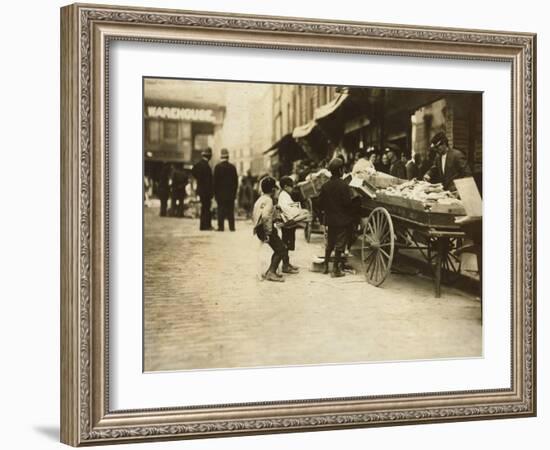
(185, 130)
(153, 131)
(170, 130)
(202, 141)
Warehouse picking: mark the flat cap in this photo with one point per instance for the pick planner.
(335, 164)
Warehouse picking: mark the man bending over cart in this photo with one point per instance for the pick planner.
(335, 201)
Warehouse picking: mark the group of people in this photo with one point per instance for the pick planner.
(441, 162)
(392, 162)
(335, 201)
(335, 198)
(220, 184)
(172, 186)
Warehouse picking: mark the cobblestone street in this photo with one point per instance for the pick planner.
(204, 307)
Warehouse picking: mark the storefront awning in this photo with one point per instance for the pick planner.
(356, 124)
(304, 130)
(280, 143)
(330, 108)
(287, 148)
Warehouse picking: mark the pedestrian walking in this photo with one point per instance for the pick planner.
(336, 202)
(246, 196)
(203, 174)
(264, 228)
(146, 191)
(164, 188)
(179, 181)
(226, 182)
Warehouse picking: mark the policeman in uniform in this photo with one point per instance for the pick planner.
(336, 202)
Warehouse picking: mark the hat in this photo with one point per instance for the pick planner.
(439, 138)
(267, 184)
(392, 148)
(224, 154)
(370, 150)
(335, 164)
(207, 152)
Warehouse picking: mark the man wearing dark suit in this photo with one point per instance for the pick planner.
(226, 182)
(449, 163)
(203, 174)
(335, 201)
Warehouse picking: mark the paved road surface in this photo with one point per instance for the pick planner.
(206, 308)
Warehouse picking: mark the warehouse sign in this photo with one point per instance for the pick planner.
(190, 114)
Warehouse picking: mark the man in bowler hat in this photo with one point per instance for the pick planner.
(226, 182)
(203, 174)
(448, 165)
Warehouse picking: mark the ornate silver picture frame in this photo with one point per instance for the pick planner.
(87, 415)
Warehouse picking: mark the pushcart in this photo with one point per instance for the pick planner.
(392, 225)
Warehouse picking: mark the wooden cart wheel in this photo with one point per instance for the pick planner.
(377, 246)
(451, 263)
(309, 225)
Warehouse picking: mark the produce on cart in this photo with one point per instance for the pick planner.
(411, 215)
(424, 196)
(398, 215)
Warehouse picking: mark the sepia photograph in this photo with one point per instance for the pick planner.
(277, 224)
(292, 224)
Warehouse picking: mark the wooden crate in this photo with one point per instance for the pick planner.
(312, 188)
(308, 189)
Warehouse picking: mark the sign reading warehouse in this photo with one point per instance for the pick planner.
(188, 114)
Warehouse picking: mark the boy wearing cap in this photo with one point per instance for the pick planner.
(262, 217)
(285, 204)
(335, 201)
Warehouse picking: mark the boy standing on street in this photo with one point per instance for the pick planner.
(335, 201)
(287, 207)
(262, 217)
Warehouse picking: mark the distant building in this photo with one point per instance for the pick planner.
(311, 123)
(247, 129)
(294, 107)
(179, 131)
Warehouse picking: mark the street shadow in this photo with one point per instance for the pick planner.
(51, 432)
